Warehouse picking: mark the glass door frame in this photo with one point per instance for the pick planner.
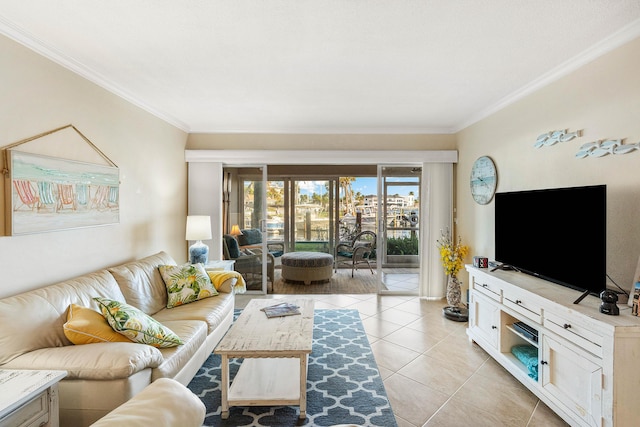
(262, 221)
(289, 202)
(331, 208)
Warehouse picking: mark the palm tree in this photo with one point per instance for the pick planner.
(345, 186)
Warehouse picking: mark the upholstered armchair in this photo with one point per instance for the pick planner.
(360, 250)
(248, 262)
(252, 238)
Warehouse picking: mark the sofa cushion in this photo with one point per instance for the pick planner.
(100, 361)
(141, 282)
(212, 311)
(194, 335)
(86, 326)
(250, 236)
(186, 283)
(232, 246)
(136, 325)
(46, 312)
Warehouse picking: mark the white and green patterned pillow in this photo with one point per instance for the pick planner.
(186, 283)
(136, 325)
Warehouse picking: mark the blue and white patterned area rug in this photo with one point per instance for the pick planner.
(343, 382)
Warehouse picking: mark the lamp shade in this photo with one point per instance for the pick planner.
(198, 227)
(235, 230)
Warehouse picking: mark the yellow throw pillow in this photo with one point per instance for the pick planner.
(85, 326)
(186, 283)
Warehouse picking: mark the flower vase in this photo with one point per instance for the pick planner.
(453, 291)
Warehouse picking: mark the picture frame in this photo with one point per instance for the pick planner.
(49, 194)
(636, 278)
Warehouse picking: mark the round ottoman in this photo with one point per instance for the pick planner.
(306, 267)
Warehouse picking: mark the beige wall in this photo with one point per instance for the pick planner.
(603, 99)
(37, 96)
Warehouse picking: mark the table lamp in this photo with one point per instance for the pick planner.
(199, 229)
(235, 231)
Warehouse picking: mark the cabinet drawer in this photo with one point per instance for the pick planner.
(522, 304)
(488, 288)
(33, 413)
(578, 334)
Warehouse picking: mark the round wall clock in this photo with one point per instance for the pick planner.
(483, 180)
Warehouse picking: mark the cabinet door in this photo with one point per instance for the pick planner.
(573, 377)
(484, 318)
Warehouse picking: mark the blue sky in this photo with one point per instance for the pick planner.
(366, 186)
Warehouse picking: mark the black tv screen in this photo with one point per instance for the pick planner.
(556, 234)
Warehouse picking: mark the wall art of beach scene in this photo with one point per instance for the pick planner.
(49, 193)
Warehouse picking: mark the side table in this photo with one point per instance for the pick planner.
(221, 265)
(29, 397)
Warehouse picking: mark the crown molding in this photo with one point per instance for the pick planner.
(617, 39)
(329, 131)
(39, 46)
(620, 37)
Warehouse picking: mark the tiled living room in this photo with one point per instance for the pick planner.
(158, 99)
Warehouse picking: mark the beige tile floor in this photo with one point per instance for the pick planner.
(433, 375)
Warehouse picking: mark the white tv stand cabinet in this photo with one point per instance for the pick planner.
(587, 361)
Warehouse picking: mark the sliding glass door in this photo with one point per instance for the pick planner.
(398, 207)
(313, 214)
(246, 224)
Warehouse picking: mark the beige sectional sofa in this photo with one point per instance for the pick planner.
(102, 376)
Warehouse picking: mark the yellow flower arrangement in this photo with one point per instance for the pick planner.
(451, 253)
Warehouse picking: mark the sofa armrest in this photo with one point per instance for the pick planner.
(163, 403)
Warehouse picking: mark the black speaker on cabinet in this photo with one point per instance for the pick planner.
(608, 304)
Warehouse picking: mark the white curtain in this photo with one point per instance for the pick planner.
(436, 207)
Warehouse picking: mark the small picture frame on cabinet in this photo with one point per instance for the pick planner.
(634, 288)
(635, 297)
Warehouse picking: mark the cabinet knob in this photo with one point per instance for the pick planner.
(484, 285)
(566, 326)
(544, 362)
(518, 301)
(494, 327)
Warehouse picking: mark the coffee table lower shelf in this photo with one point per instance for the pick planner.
(266, 382)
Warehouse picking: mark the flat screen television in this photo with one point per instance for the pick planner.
(556, 234)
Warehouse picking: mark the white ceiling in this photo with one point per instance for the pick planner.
(330, 66)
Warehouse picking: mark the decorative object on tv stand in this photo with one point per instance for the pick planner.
(553, 137)
(605, 147)
(484, 180)
(235, 231)
(480, 262)
(634, 293)
(452, 253)
(608, 305)
(198, 229)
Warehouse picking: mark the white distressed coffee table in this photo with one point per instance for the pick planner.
(275, 352)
